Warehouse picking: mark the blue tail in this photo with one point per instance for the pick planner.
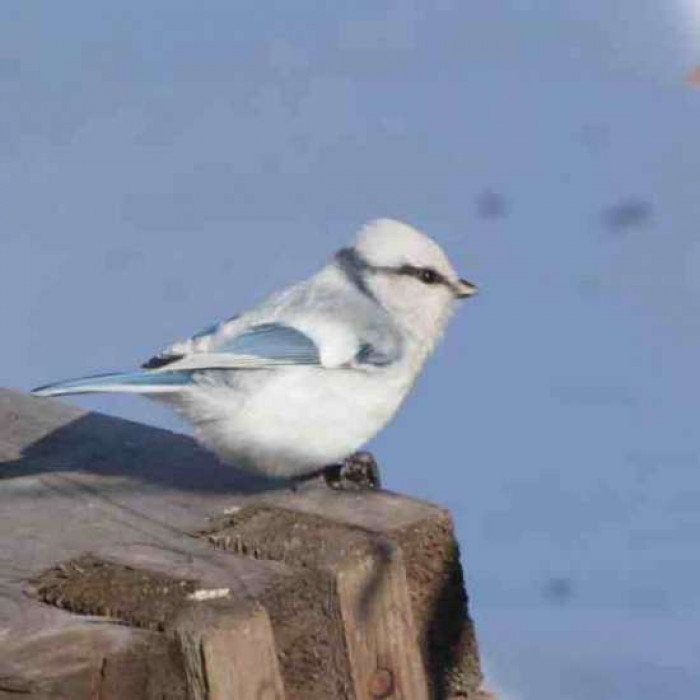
(139, 382)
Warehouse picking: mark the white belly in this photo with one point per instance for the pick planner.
(288, 422)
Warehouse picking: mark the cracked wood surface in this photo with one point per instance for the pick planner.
(76, 484)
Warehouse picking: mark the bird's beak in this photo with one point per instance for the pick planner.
(466, 289)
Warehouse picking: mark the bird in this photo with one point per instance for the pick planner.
(298, 384)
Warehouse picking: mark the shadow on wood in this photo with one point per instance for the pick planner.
(134, 565)
(106, 446)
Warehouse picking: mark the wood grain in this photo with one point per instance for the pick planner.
(380, 630)
(112, 535)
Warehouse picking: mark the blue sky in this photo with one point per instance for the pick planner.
(163, 165)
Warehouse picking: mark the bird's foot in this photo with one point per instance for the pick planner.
(358, 472)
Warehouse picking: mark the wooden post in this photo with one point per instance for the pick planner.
(134, 565)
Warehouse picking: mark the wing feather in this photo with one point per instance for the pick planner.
(317, 323)
(259, 347)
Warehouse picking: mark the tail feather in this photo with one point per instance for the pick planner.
(139, 382)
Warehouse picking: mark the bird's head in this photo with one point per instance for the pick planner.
(409, 274)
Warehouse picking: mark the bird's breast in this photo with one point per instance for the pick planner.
(302, 418)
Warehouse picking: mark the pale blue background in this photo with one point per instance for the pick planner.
(164, 164)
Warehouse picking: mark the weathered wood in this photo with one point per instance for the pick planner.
(89, 659)
(440, 605)
(379, 628)
(388, 619)
(71, 484)
(316, 595)
(304, 609)
(425, 535)
(229, 653)
(195, 598)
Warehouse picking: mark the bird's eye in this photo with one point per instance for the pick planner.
(428, 276)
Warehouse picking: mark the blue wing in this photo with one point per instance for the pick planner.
(138, 382)
(286, 345)
(274, 341)
(258, 347)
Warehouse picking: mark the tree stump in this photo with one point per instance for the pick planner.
(135, 566)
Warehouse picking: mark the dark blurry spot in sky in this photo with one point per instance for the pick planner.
(627, 215)
(558, 590)
(693, 77)
(491, 205)
(595, 137)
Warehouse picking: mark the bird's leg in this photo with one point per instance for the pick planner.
(296, 482)
(357, 472)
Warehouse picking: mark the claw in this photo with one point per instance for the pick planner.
(358, 472)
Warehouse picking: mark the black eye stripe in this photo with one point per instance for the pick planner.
(356, 267)
(425, 274)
